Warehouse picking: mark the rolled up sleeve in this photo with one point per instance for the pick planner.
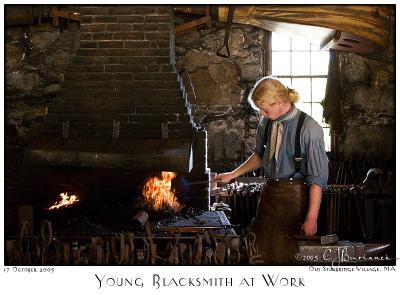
(317, 163)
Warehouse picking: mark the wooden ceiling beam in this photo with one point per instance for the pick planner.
(365, 21)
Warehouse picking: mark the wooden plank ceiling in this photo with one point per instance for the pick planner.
(316, 22)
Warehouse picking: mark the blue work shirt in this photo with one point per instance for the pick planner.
(314, 163)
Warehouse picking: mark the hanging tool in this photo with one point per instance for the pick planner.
(45, 240)
(227, 33)
(198, 249)
(24, 243)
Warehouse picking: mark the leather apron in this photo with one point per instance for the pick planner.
(281, 210)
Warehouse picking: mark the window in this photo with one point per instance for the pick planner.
(302, 66)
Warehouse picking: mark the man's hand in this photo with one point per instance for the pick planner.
(224, 177)
(309, 227)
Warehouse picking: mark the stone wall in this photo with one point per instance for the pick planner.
(368, 105)
(36, 58)
(221, 85)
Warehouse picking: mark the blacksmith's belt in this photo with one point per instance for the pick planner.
(277, 181)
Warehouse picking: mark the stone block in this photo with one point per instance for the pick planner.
(145, 109)
(23, 80)
(165, 76)
(123, 76)
(93, 28)
(143, 76)
(93, 11)
(174, 109)
(129, 36)
(160, 44)
(153, 68)
(88, 44)
(137, 44)
(161, 84)
(105, 19)
(116, 52)
(387, 103)
(170, 92)
(91, 52)
(89, 76)
(250, 72)
(111, 44)
(131, 19)
(195, 58)
(43, 39)
(366, 139)
(163, 60)
(14, 55)
(121, 10)
(144, 27)
(125, 68)
(145, 10)
(118, 27)
(236, 42)
(353, 67)
(157, 36)
(366, 97)
(102, 36)
(209, 92)
(86, 36)
(167, 68)
(158, 19)
(51, 88)
(222, 73)
(87, 19)
(94, 60)
(155, 52)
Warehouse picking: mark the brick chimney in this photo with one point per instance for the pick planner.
(122, 104)
(121, 96)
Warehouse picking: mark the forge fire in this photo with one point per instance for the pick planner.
(159, 194)
(65, 201)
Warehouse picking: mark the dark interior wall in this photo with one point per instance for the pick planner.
(221, 85)
(364, 111)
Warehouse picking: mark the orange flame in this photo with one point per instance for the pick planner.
(158, 194)
(65, 201)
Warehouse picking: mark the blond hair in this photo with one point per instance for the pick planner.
(269, 90)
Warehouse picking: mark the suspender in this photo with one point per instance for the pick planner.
(265, 138)
(297, 149)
